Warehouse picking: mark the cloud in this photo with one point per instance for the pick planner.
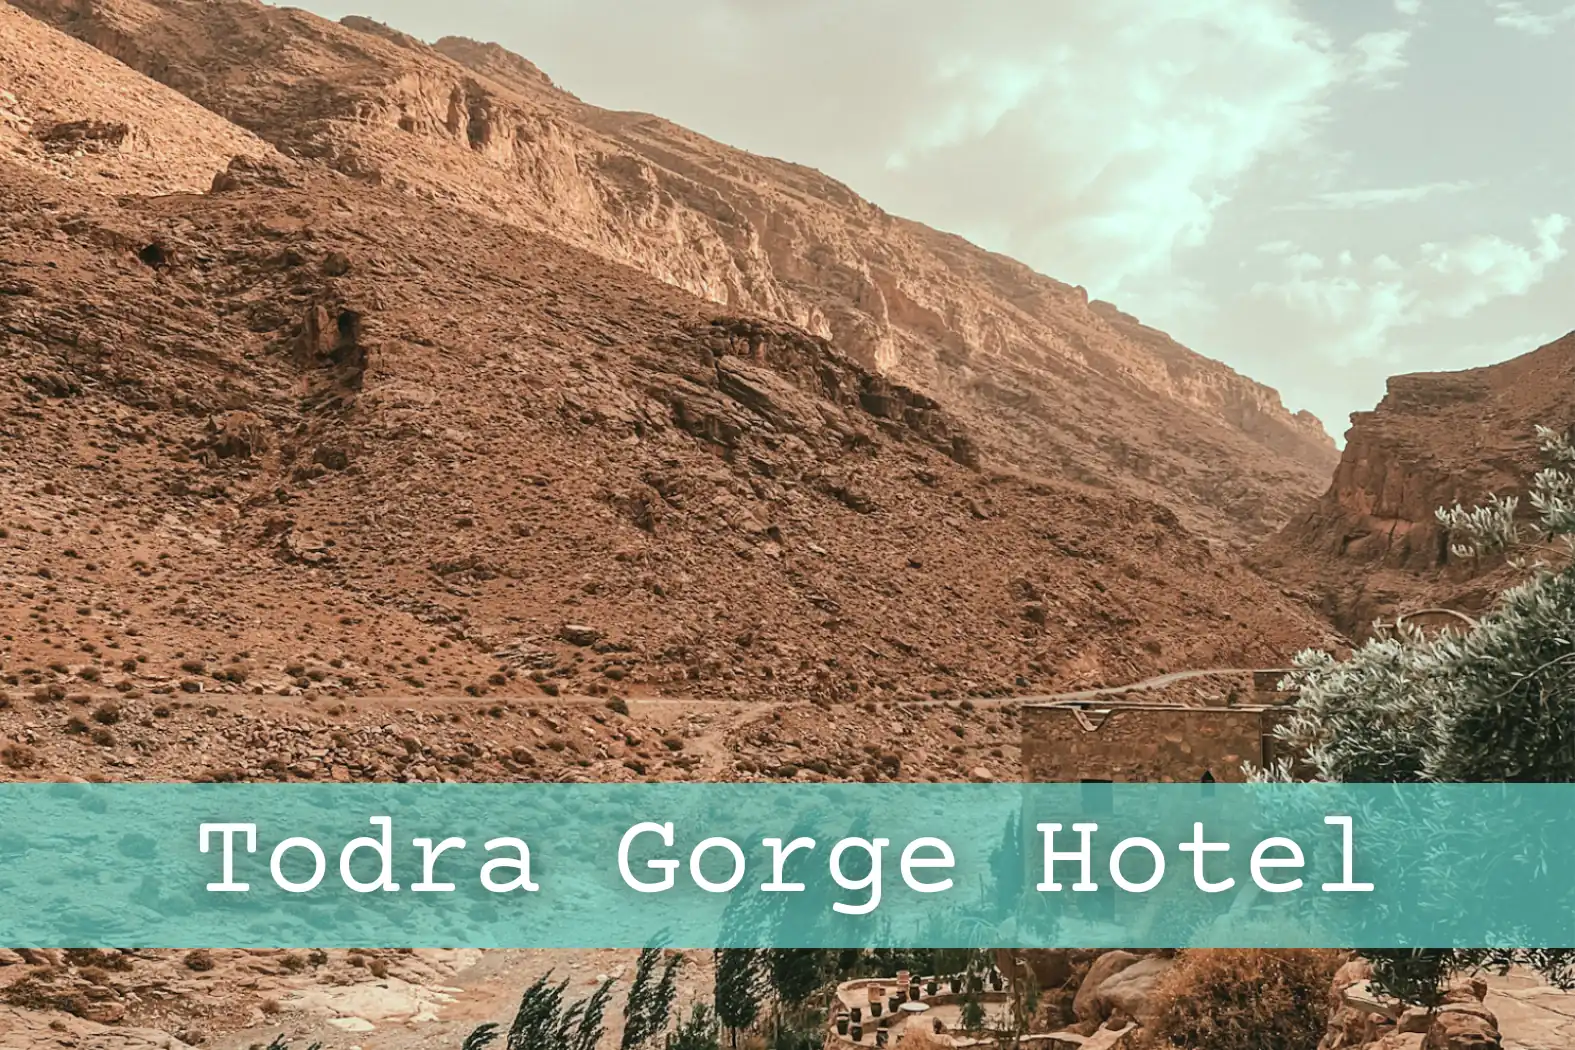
(1107, 150)
(1350, 310)
(1408, 7)
(1350, 200)
(1513, 14)
(1378, 56)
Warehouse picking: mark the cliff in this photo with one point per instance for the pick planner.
(1051, 384)
(1371, 545)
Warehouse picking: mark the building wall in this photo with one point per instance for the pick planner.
(1143, 744)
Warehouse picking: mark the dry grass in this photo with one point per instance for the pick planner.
(1246, 999)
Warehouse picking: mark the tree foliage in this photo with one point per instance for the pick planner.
(544, 1022)
(1492, 703)
(739, 981)
(650, 1001)
(699, 1031)
(796, 973)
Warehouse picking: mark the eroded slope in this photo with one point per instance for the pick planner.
(303, 416)
(1049, 382)
(74, 112)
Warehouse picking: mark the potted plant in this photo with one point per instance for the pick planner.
(930, 986)
(880, 1037)
(896, 1000)
(914, 991)
(842, 1022)
(858, 1014)
(875, 1005)
(857, 1032)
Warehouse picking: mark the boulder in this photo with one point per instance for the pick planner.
(1131, 991)
(1352, 1026)
(1085, 1006)
(1463, 1028)
(1473, 991)
(1354, 971)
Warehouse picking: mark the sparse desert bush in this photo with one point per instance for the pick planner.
(18, 756)
(1246, 999)
(200, 960)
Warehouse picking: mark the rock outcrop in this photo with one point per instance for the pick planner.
(1361, 1020)
(1372, 547)
(1049, 382)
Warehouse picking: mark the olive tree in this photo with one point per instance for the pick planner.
(1493, 702)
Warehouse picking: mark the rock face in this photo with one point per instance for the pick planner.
(1048, 381)
(1371, 546)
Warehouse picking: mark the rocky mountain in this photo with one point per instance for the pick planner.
(299, 415)
(1371, 546)
(1049, 382)
(321, 427)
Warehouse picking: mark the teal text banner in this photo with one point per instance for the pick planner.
(787, 865)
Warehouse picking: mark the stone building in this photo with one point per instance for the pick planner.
(1126, 741)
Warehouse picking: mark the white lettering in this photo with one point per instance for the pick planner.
(909, 862)
(1345, 885)
(520, 864)
(699, 876)
(385, 853)
(666, 832)
(779, 858)
(1085, 855)
(1153, 850)
(1259, 862)
(275, 865)
(229, 885)
(429, 858)
(870, 882)
(1197, 847)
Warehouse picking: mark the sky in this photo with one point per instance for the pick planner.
(1318, 193)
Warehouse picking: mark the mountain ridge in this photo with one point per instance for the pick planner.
(1049, 384)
